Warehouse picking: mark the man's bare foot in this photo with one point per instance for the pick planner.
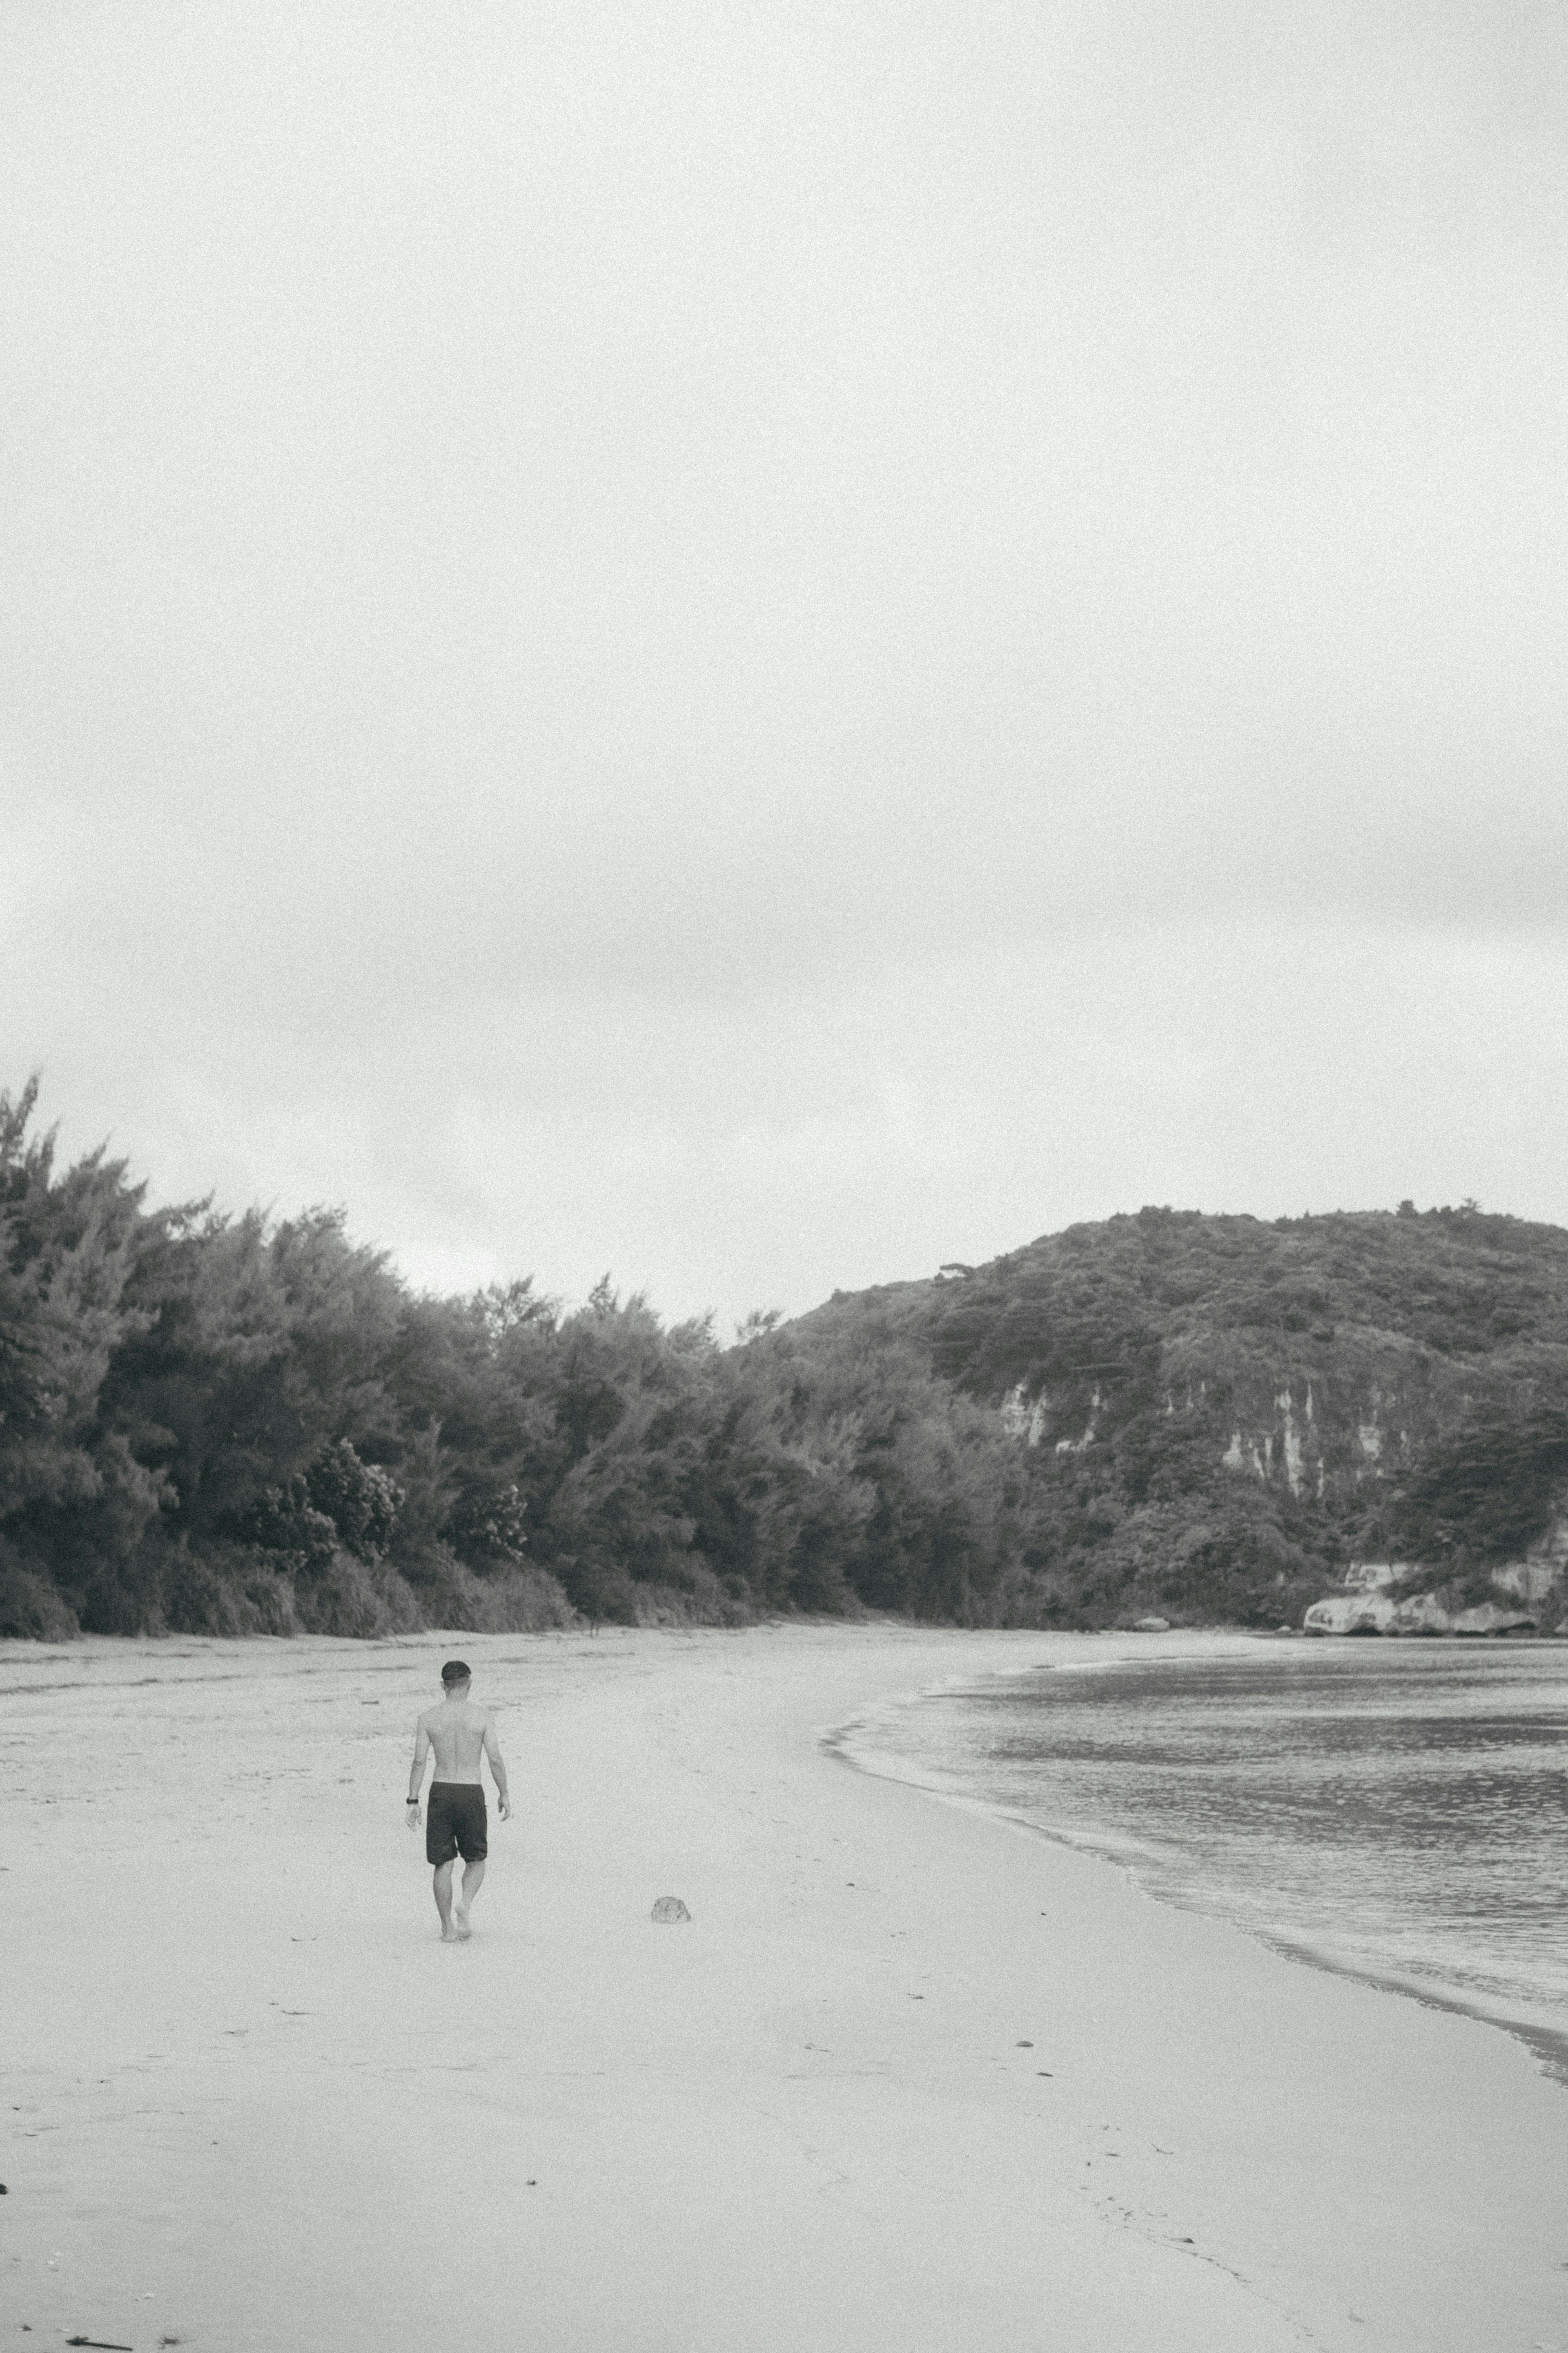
(451, 1935)
(461, 1923)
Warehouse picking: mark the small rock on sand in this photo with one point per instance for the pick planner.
(671, 1908)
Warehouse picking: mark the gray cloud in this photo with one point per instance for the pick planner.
(624, 633)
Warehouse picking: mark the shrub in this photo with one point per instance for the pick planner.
(30, 1610)
(352, 1597)
(513, 1601)
(225, 1589)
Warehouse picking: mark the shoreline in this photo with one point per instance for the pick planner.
(907, 2080)
(1547, 2044)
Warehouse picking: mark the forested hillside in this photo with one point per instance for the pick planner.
(214, 1423)
(1222, 1411)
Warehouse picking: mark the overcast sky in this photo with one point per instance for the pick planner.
(763, 646)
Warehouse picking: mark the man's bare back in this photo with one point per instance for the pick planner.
(458, 1732)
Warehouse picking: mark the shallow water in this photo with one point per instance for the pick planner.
(1397, 1812)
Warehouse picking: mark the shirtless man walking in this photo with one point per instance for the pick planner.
(460, 1734)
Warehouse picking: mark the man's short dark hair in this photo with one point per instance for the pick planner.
(456, 1671)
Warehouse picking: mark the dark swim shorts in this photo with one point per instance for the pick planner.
(455, 1822)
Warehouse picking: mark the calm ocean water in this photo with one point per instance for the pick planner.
(1394, 1810)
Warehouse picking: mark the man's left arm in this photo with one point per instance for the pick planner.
(498, 1766)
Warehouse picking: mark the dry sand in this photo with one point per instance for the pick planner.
(254, 2103)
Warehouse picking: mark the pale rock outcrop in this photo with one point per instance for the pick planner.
(1527, 1580)
(1310, 1434)
(1543, 1567)
(1022, 1419)
(1372, 1576)
(1491, 1618)
(1079, 1445)
(1421, 1613)
(1314, 1442)
(1366, 1605)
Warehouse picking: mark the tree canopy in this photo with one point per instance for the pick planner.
(215, 1423)
(222, 1423)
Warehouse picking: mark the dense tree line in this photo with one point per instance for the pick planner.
(216, 1423)
(212, 1423)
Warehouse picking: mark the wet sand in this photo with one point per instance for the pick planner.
(911, 2077)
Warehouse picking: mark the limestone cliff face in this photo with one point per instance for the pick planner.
(1346, 1433)
(1337, 1434)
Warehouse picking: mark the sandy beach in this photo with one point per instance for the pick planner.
(912, 2078)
